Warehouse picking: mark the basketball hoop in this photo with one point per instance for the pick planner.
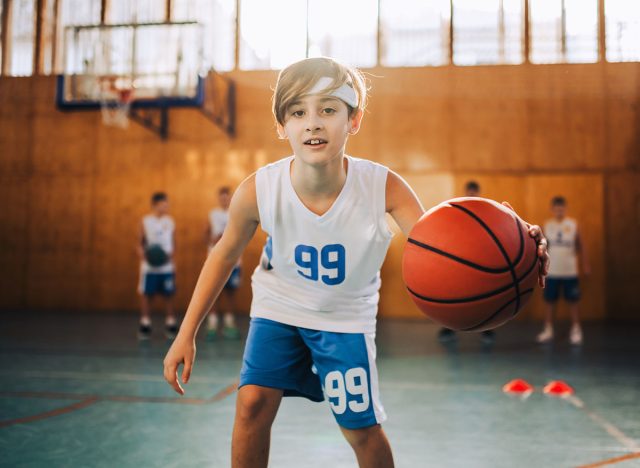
(116, 95)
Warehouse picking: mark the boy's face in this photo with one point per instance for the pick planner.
(161, 207)
(471, 192)
(224, 199)
(559, 211)
(317, 127)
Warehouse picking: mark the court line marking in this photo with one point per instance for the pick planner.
(103, 376)
(87, 400)
(612, 461)
(612, 430)
(50, 414)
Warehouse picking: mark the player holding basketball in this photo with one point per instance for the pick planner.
(218, 220)
(157, 229)
(567, 246)
(315, 292)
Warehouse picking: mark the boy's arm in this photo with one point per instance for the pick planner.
(405, 208)
(243, 221)
(141, 242)
(402, 203)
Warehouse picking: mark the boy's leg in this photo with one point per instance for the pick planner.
(551, 294)
(168, 290)
(572, 295)
(371, 446)
(145, 308)
(256, 408)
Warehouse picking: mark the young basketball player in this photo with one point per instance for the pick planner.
(157, 231)
(315, 292)
(471, 189)
(218, 219)
(567, 247)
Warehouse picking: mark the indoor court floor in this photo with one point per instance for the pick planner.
(80, 390)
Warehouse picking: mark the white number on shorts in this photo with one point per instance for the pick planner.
(356, 386)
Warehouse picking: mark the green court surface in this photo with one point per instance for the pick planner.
(79, 390)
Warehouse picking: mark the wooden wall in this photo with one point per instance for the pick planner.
(73, 190)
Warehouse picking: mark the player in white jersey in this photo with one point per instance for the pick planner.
(218, 219)
(315, 291)
(156, 244)
(566, 247)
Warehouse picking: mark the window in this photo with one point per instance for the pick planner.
(218, 18)
(581, 19)
(487, 32)
(48, 25)
(414, 33)
(74, 13)
(273, 34)
(136, 11)
(22, 37)
(345, 30)
(1, 44)
(623, 30)
(564, 31)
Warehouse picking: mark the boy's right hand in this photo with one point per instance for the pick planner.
(182, 351)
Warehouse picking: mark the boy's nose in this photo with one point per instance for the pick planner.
(313, 123)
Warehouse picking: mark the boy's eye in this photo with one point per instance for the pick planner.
(297, 113)
(329, 110)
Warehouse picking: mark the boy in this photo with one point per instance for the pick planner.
(315, 292)
(218, 219)
(567, 247)
(157, 230)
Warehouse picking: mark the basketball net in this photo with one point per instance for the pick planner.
(115, 101)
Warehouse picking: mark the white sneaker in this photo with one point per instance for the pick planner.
(575, 335)
(546, 335)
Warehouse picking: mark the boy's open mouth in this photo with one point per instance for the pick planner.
(315, 142)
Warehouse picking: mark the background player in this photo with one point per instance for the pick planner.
(567, 248)
(157, 229)
(315, 292)
(218, 219)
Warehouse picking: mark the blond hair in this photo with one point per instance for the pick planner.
(298, 79)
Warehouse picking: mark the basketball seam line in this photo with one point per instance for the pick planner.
(474, 298)
(495, 314)
(457, 259)
(514, 277)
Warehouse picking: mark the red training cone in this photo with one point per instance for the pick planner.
(558, 388)
(518, 386)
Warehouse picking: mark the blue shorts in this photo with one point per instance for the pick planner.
(314, 364)
(233, 282)
(157, 283)
(570, 289)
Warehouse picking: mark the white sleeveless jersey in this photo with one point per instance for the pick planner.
(561, 236)
(158, 230)
(322, 272)
(218, 220)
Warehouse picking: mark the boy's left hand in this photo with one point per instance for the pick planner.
(543, 254)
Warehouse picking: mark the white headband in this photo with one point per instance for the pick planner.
(345, 92)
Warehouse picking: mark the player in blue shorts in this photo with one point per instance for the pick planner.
(218, 220)
(315, 291)
(157, 230)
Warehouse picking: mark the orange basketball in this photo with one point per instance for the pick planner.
(470, 264)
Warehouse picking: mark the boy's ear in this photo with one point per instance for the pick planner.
(355, 122)
(281, 133)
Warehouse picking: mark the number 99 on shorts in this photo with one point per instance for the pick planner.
(348, 390)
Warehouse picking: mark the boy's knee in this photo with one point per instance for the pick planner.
(361, 437)
(253, 403)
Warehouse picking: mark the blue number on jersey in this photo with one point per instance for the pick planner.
(332, 259)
